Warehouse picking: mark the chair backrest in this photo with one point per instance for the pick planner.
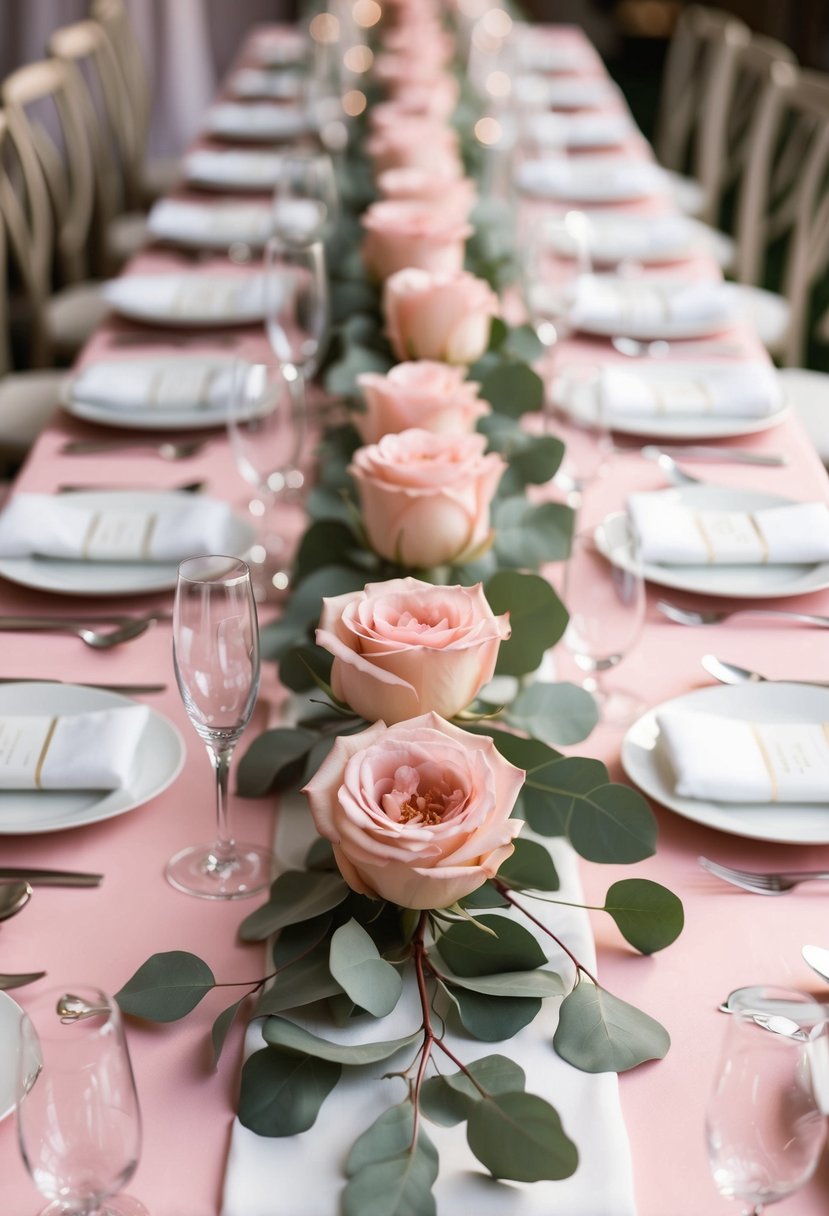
(5, 336)
(697, 84)
(784, 198)
(135, 100)
(43, 108)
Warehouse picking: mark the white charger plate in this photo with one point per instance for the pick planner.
(734, 582)
(112, 578)
(223, 170)
(204, 300)
(149, 419)
(10, 1015)
(159, 760)
(787, 823)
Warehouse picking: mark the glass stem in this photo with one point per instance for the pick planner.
(221, 756)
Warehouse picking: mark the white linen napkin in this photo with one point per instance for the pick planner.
(242, 170)
(733, 760)
(259, 82)
(597, 179)
(257, 120)
(651, 307)
(218, 225)
(86, 751)
(188, 298)
(672, 533)
(578, 130)
(749, 390)
(306, 1171)
(141, 385)
(633, 238)
(51, 526)
(539, 54)
(564, 93)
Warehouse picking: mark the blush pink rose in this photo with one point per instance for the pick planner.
(425, 498)
(454, 195)
(433, 316)
(418, 813)
(425, 394)
(421, 142)
(404, 647)
(400, 234)
(436, 99)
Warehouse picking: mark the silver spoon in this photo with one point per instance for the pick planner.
(670, 468)
(13, 898)
(97, 639)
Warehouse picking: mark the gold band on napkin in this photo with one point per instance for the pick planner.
(41, 760)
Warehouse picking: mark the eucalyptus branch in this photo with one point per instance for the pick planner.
(504, 890)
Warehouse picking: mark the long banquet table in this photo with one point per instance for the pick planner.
(730, 938)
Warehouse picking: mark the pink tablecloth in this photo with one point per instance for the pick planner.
(102, 935)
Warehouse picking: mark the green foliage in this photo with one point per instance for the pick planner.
(282, 1091)
(167, 987)
(597, 1032)
(390, 1173)
(364, 976)
(519, 1136)
(649, 916)
(537, 619)
(295, 896)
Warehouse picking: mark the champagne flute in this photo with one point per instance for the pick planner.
(266, 426)
(78, 1122)
(216, 660)
(576, 413)
(296, 306)
(766, 1117)
(305, 202)
(606, 603)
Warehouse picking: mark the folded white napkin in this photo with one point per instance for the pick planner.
(590, 130)
(733, 760)
(651, 307)
(564, 93)
(189, 298)
(672, 533)
(216, 225)
(258, 82)
(306, 1170)
(596, 179)
(258, 120)
(56, 527)
(537, 54)
(750, 390)
(142, 385)
(87, 751)
(280, 47)
(242, 170)
(618, 238)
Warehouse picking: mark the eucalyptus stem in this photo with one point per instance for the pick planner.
(504, 890)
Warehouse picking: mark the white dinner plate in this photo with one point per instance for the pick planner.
(10, 1015)
(250, 83)
(158, 762)
(225, 170)
(723, 307)
(679, 426)
(213, 414)
(280, 49)
(112, 578)
(194, 299)
(790, 822)
(256, 121)
(648, 239)
(595, 179)
(210, 225)
(734, 582)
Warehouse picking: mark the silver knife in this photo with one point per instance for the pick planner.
(818, 960)
(735, 455)
(51, 878)
(730, 673)
(128, 690)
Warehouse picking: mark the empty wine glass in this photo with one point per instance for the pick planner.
(305, 202)
(216, 660)
(554, 253)
(576, 414)
(78, 1121)
(266, 428)
(766, 1116)
(606, 603)
(296, 306)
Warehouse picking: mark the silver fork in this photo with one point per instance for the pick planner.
(712, 616)
(772, 883)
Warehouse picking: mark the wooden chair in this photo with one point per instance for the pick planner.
(46, 210)
(145, 180)
(95, 81)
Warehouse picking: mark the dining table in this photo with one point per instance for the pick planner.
(102, 935)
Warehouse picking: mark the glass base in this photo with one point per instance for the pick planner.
(201, 870)
(617, 706)
(118, 1205)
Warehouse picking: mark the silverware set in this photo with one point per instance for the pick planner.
(99, 633)
(773, 882)
(715, 616)
(167, 449)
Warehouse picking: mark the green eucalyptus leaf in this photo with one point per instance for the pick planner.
(368, 979)
(305, 667)
(529, 868)
(328, 503)
(303, 609)
(273, 761)
(387, 1176)
(555, 713)
(598, 1032)
(537, 618)
(522, 342)
(513, 389)
(280, 1032)
(498, 333)
(324, 542)
(470, 952)
(281, 1093)
(222, 1025)
(296, 895)
(492, 1019)
(536, 983)
(320, 856)
(300, 982)
(519, 1136)
(649, 916)
(529, 534)
(340, 379)
(485, 896)
(613, 824)
(447, 1100)
(166, 987)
